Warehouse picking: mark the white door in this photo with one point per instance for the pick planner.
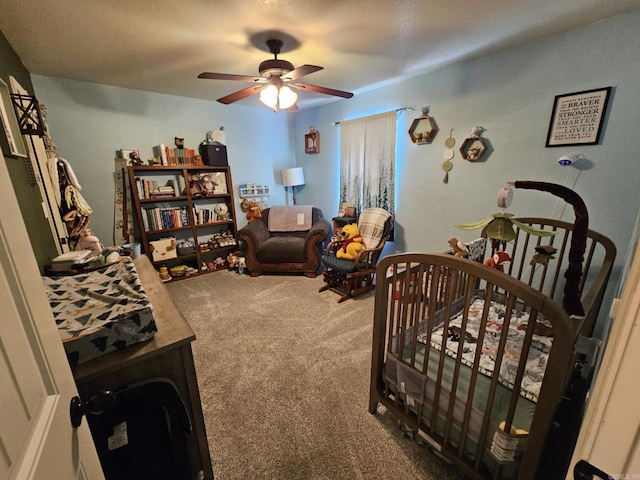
(37, 440)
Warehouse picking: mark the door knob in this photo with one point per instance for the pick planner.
(97, 405)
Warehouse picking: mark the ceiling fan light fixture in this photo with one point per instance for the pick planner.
(286, 97)
(269, 96)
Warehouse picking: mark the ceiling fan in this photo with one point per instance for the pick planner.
(276, 76)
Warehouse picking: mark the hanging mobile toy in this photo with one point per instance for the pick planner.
(447, 166)
(501, 226)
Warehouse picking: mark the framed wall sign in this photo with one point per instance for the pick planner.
(577, 118)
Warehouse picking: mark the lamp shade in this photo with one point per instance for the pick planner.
(292, 177)
(269, 96)
(286, 97)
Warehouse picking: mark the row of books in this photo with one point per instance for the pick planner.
(176, 156)
(163, 218)
(204, 215)
(151, 189)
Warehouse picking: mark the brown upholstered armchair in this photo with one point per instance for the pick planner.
(288, 243)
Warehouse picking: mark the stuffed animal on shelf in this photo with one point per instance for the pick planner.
(458, 248)
(543, 254)
(498, 260)
(352, 242)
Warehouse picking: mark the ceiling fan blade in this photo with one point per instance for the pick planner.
(301, 71)
(240, 94)
(230, 76)
(325, 90)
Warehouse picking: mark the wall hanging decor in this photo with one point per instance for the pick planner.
(474, 147)
(423, 129)
(448, 154)
(312, 141)
(577, 118)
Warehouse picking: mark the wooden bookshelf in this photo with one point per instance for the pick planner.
(181, 219)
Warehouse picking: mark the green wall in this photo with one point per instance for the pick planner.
(28, 195)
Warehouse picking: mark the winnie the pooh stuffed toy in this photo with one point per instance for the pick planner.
(352, 242)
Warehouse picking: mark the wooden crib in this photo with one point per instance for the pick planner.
(444, 326)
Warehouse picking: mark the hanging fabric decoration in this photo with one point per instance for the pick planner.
(74, 209)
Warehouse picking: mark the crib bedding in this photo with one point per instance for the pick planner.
(403, 372)
(101, 311)
(536, 359)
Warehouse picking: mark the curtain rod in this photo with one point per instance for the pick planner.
(406, 107)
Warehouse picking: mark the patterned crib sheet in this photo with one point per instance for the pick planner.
(100, 311)
(536, 359)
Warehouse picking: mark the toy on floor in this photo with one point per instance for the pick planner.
(498, 260)
(352, 243)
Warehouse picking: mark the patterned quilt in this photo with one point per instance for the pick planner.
(100, 311)
(536, 360)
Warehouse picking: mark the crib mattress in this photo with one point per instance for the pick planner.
(101, 311)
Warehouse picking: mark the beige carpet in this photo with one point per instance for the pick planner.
(284, 380)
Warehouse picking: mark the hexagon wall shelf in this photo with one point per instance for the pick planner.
(473, 148)
(422, 130)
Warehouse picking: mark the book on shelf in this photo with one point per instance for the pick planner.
(182, 156)
(164, 218)
(159, 151)
(151, 189)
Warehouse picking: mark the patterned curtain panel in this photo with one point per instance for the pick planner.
(367, 161)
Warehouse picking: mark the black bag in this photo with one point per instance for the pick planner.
(144, 435)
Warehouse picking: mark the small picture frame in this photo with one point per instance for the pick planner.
(15, 143)
(312, 142)
(577, 118)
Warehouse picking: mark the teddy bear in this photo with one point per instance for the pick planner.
(352, 242)
(458, 248)
(497, 260)
(251, 209)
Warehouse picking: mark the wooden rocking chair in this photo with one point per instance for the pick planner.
(349, 278)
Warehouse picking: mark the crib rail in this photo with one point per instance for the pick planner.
(550, 278)
(429, 370)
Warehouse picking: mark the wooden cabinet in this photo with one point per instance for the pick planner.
(185, 217)
(167, 355)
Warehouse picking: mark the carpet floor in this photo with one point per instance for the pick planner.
(284, 376)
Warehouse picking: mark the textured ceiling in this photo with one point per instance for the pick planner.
(162, 45)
